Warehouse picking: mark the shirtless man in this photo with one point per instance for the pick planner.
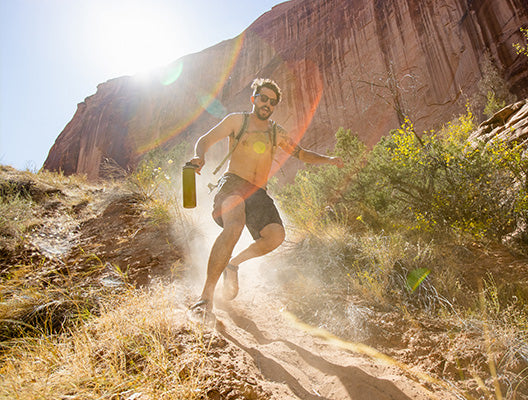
(241, 199)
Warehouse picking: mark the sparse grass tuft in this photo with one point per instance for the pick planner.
(156, 182)
(373, 287)
(137, 348)
(17, 215)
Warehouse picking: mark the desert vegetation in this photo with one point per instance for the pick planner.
(82, 322)
(426, 227)
(417, 248)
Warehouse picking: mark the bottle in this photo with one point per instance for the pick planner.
(189, 185)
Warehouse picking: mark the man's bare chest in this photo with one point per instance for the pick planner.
(256, 143)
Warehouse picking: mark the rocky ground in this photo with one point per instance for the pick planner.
(258, 349)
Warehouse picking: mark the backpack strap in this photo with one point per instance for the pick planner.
(274, 137)
(274, 143)
(242, 129)
(235, 143)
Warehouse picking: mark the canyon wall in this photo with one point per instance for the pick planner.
(358, 64)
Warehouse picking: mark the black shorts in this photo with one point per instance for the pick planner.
(260, 209)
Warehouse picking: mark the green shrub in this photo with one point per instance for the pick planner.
(522, 49)
(158, 171)
(493, 104)
(437, 183)
(444, 182)
(318, 193)
(156, 182)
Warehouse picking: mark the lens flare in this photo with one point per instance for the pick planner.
(416, 277)
(312, 90)
(207, 102)
(259, 147)
(172, 73)
(212, 106)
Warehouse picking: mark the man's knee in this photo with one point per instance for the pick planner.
(233, 229)
(274, 234)
(233, 215)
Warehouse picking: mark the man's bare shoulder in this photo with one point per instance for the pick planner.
(235, 116)
(233, 120)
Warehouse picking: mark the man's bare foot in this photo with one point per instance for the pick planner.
(230, 290)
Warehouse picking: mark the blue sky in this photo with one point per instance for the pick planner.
(54, 53)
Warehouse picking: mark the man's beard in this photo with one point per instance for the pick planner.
(263, 117)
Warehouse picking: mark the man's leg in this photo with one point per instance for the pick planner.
(233, 218)
(271, 237)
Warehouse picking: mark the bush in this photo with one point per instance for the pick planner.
(436, 183)
(519, 48)
(445, 183)
(156, 181)
(493, 92)
(317, 195)
(158, 171)
(442, 182)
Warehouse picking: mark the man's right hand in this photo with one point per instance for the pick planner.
(199, 162)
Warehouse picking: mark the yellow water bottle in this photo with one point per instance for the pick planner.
(189, 185)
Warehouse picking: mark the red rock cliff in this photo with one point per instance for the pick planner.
(359, 64)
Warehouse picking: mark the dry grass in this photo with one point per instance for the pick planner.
(36, 302)
(17, 216)
(71, 324)
(458, 311)
(138, 348)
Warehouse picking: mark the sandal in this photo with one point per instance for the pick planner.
(200, 312)
(230, 290)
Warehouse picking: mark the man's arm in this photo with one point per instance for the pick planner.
(311, 157)
(219, 132)
(307, 156)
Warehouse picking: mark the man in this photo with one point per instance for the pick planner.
(242, 199)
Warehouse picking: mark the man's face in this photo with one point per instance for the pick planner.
(264, 109)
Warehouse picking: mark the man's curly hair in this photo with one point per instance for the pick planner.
(259, 83)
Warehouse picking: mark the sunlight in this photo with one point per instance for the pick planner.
(136, 38)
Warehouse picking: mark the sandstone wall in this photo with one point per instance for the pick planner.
(359, 64)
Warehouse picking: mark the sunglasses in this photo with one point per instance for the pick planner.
(265, 99)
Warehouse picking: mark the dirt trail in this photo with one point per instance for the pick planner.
(73, 232)
(306, 367)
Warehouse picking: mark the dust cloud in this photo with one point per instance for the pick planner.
(200, 233)
(259, 274)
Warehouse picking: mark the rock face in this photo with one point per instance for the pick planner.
(508, 125)
(360, 64)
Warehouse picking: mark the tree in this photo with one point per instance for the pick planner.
(493, 92)
(522, 49)
(393, 89)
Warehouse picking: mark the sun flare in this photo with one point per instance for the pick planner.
(136, 37)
